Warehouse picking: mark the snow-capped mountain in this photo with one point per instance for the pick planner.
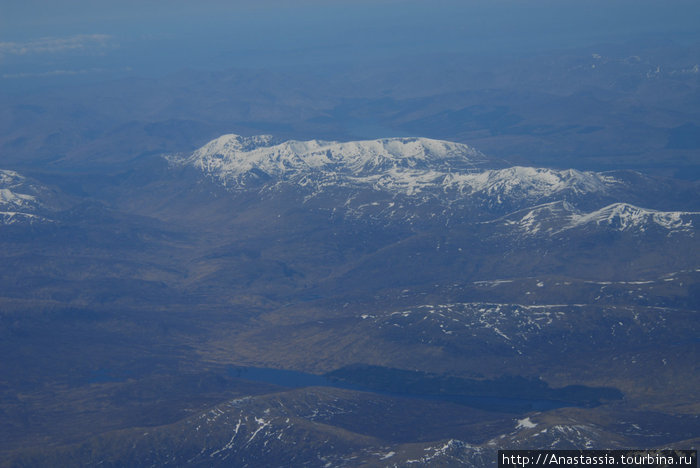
(532, 182)
(401, 164)
(11, 185)
(410, 179)
(626, 217)
(19, 199)
(556, 217)
(396, 166)
(518, 186)
(235, 159)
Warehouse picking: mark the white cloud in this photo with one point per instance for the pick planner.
(51, 73)
(82, 43)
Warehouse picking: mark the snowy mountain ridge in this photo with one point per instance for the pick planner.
(21, 200)
(16, 206)
(10, 197)
(625, 217)
(556, 217)
(408, 179)
(233, 157)
(407, 166)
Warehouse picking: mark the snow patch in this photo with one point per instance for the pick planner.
(525, 424)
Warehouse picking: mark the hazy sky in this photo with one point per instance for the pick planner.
(104, 38)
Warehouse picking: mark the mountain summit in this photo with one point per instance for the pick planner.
(406, 166)
(239, 161)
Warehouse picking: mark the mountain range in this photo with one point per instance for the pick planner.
(559, 305)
